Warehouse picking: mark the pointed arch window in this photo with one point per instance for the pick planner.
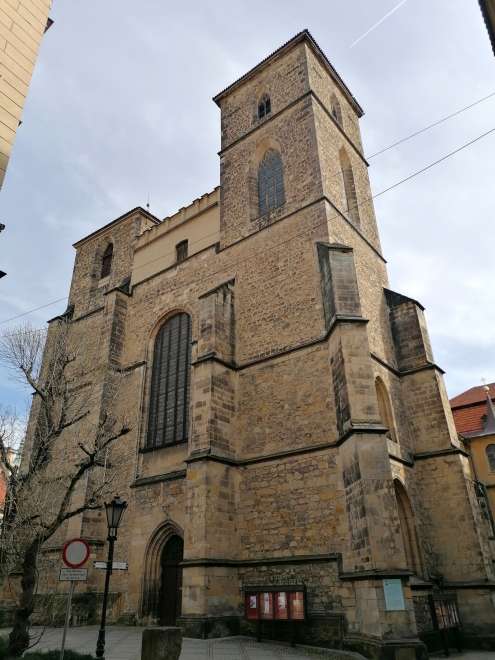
(336, 110)
(351, 201)
(168, 420)
(106, 261)
(385, 408)
(490, 455)
(264, 106)
(271, 192)
(408, 529)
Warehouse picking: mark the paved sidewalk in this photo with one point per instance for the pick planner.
(124, 643)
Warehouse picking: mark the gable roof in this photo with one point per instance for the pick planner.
(306, 36)
(471, 413)
(473, 395)
(124, 216)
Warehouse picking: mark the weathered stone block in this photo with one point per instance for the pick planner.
(161, 644)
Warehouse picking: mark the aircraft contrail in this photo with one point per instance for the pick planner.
(384, 18)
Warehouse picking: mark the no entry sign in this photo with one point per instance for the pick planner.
(75, 553)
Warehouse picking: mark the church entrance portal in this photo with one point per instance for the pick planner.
(170, 597)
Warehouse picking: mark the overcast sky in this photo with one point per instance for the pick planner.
(120, 107)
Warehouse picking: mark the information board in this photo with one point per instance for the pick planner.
(280, 605)
(394, 596)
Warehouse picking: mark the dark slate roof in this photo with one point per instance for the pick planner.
(306, 36)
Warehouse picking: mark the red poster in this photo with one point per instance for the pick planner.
(297, 605)
(281, 605)
(252, 606)
(266, 605)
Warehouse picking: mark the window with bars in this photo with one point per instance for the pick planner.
(170, 383)
(271, 192)
(264, 107)
(181, 251)
(106, 261)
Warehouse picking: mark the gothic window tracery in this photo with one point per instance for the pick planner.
(264, 107)
(271, 192)
(170, 383)
(106, 261)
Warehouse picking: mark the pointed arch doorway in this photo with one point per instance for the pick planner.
(170, 593)
(161, 598)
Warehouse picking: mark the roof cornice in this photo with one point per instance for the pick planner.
(303, 36)
(125, 216)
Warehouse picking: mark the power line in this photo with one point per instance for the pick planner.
(427, 128)
(337, 173)
(293, 236)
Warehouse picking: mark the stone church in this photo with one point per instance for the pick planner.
(291, 438)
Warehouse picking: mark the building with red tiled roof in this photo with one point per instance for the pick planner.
(474, 417)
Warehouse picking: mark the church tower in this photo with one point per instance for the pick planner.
(290, 431)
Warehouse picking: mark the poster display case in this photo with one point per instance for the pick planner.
(270, 603)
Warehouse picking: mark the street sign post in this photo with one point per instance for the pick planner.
(116, 565)
(75, 554)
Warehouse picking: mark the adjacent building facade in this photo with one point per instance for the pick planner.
(290, 428)
(488, 10)
(22, 25)
(474, 417)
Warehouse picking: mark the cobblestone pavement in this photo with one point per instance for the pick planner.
(124, 643)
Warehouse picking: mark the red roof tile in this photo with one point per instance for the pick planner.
(470, 407)
(473, 395)
(470, 418)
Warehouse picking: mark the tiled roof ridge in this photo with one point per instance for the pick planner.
(300, 36)
(466, 398)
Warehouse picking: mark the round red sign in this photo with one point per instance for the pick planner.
(75, 553)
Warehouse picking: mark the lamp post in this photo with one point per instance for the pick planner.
(115, 510)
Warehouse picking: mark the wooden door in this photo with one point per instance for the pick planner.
(171, 581)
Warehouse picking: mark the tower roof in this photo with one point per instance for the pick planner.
(303, 36)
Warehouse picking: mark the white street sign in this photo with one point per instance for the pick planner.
(116, 565)
(73, 574)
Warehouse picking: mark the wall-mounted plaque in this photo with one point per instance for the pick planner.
(394, 596)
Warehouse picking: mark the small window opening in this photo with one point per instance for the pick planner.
(106, 261)
(181, 251)
(264, 107)
(336, 110)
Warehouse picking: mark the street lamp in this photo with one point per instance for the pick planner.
(115, 510)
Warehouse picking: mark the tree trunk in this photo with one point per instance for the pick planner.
(19, 637)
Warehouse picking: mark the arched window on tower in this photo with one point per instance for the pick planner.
(264, 106)
(490, 455)
(408, 529)
(349, 188)
(168, 419)
(385, 408)
(271, 193)
(336, 110)
(106, 261)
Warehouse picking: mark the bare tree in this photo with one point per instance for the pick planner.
(56, 458)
